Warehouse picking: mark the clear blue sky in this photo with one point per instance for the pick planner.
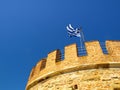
(29, 29)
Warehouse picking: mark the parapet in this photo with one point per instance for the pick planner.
(95, 59)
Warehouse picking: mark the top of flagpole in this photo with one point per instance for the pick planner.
(76, 32)
(73, 32)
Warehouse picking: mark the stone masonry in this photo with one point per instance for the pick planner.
(95, 71)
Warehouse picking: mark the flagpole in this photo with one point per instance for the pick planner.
(81, 43)
(83, 37)
(82, 40)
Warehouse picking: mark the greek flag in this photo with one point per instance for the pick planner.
(73, 32)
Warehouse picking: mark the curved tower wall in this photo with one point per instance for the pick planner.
(95, 71)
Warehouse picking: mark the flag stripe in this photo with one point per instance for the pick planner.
(73, 32)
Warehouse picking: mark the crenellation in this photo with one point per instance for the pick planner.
(58, 56)
(95, 59)
(94, 52)
(31, 73)
(42, 64)
(71, 52)
(52, 58)
(113, 48)
(93, 48)
(37, 68)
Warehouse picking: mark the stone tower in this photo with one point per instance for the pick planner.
(95, 71)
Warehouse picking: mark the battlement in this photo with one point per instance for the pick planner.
(95, 59)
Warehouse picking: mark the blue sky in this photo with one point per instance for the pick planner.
(29, 29)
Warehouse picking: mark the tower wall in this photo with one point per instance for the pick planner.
(95, 71)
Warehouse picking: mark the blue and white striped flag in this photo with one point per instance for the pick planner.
(73, 32)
